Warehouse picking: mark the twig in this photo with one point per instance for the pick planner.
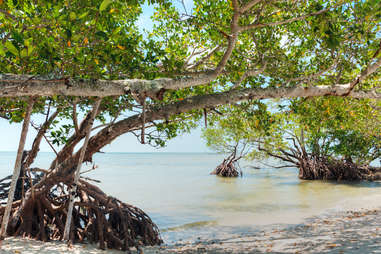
(75, 119)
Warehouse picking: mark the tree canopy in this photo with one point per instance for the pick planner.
(65, 55)
(215, 53)
(330, 127)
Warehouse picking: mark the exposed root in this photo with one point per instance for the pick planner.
(228, 168)
(319, 168)
(97, 218)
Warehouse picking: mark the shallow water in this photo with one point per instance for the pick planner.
(187, 203)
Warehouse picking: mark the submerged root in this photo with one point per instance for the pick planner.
(97, 218)
(228, 168)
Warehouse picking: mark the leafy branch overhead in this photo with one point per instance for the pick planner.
(193, 59)
(97, 45)
(207, 61)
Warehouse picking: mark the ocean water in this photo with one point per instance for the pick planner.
(188, 204)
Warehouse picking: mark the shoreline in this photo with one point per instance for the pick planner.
(351, 231)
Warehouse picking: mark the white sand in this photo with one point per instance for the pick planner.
(344, 232)
(22, 245)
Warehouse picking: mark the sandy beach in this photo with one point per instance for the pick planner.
(343, 232)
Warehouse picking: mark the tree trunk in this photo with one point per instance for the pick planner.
(17, 168)
(73, 188)
(96, 216)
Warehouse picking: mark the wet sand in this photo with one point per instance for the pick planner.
(342, 232)
(345, 232)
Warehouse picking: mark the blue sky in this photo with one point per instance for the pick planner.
(126, 143)
(10, 135)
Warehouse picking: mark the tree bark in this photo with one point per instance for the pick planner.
(37, 140)
(73, 189)
(108, 134)
(23, 85)
(17, 168)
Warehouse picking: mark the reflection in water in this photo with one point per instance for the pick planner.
(186, 202)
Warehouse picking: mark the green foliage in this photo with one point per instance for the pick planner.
(100, 39)
(87, 39)
(246, 125)
(338, 128)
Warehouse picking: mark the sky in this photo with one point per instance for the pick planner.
(10, 133)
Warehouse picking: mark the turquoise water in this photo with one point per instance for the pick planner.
(187, 203)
